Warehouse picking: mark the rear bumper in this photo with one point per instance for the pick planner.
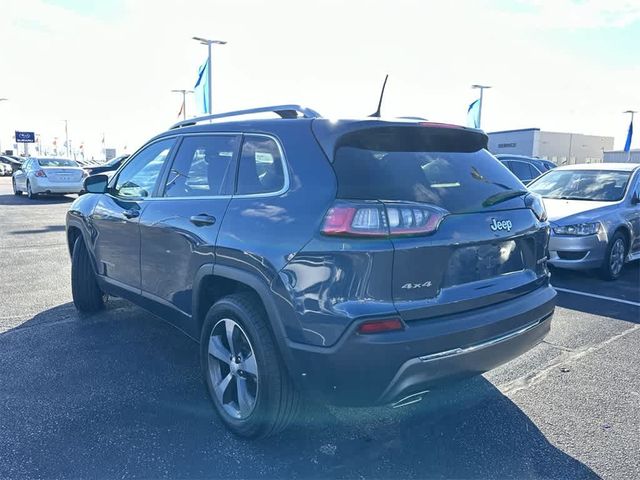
(588, 251)
(42, 185)
(384, 368)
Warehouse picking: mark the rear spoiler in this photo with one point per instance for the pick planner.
(404, 136)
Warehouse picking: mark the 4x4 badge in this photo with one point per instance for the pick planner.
(411, 286)
(497, 225)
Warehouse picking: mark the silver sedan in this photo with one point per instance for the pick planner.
(594, 210)
(48, 175)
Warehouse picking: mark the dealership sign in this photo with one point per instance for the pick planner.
(25, 137)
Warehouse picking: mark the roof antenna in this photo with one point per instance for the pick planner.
(377, 112)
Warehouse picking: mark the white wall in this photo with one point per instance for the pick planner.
(516, 142)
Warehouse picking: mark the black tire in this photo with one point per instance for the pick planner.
(87, 296)
(30, 194)
(612, 265)
(276, 401)
(15, 190)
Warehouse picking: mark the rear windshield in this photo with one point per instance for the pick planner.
(408, 171)
(597, 185)
(56, 162)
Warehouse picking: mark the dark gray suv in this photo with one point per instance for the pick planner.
(356, 262)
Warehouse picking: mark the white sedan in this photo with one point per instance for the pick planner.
(48, 175)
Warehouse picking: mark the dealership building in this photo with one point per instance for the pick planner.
(617, 156)
(560, 148)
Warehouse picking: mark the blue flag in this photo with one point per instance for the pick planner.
(201, 88)
(627, 145)
(473, 115)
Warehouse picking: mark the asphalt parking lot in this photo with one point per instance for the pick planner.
(118, 394)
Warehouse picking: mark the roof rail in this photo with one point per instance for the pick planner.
(284, 111)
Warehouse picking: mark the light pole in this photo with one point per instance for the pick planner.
(481, 87)
(184, 97)
(2, 100)
(632, 112)
(208, 43)
(66, 136)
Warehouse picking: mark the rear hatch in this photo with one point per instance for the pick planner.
(462, 233)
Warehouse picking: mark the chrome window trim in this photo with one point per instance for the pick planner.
(285, 169)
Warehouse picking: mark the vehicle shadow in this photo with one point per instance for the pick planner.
(119, 393)
(10, 199)
(45, 229)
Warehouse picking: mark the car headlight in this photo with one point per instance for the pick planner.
(535, 203)
(580, 229)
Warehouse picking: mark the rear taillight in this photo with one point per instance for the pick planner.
(381, 219)
(379, 326)
(359, 220)
(40, 173)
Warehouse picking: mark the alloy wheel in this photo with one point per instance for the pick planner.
(616, 258)
(233, 369)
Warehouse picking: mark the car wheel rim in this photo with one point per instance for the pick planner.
(233, 369)
(616, 259)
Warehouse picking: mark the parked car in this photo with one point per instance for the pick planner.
(5, 169)
(547, 164)
(525, 168)
(110, 166)
(594, 210)
(360, 261)
(14, 163)
(48, 175)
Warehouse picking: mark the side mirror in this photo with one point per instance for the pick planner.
(635, 199)
(96, 183)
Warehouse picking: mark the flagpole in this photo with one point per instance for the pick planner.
(184, 98)
(481, 87)
(208, 43)
(632, 112)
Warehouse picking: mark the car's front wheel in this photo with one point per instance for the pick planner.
(87, 296)
(615, 257)
(248, 384)
(15, 188)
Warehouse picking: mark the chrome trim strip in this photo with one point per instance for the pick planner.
(479, 346)
(409, 399)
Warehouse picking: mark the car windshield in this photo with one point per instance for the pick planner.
(56, 162)
(597, 185)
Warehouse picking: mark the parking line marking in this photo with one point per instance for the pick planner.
(602, 297)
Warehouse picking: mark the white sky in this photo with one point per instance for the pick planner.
(559, 65)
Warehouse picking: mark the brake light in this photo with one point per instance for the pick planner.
(40, 173)
(380, 219)
(379, 326)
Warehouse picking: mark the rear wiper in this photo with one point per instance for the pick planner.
(503, 196)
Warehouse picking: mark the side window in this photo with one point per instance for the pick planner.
(201, 166)
(260, 169)
(138, 178)
(521, 170)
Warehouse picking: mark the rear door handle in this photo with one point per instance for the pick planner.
(131, 213)
(202, 220)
